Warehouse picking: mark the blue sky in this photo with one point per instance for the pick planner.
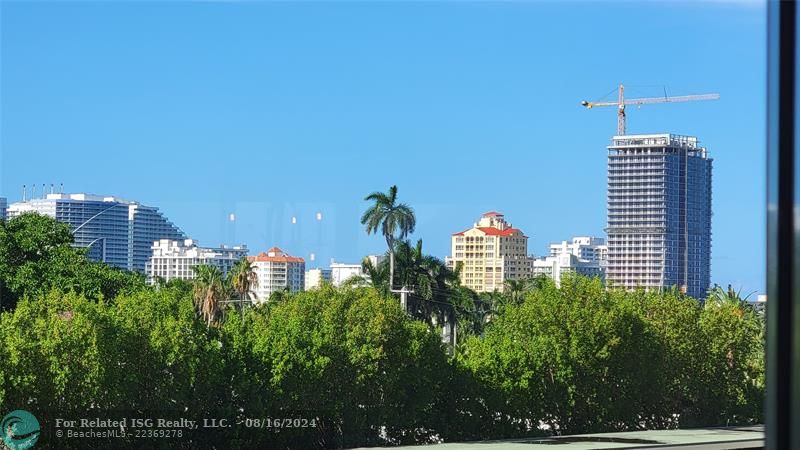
(280, 110)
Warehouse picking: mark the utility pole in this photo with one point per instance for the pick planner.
(404, 291)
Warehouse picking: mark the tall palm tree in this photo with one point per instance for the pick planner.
(432, 280)
(208, 291)
(394, 220)
(243, 279)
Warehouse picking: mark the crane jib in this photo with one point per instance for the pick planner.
(679, 98)
(622, 102)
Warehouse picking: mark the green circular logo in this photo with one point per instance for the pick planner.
(20, 430)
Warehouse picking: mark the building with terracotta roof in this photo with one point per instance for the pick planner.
(276, 271)
(489, 253)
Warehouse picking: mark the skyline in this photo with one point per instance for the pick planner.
(477, 118)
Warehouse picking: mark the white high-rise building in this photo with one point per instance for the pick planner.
(315, 278)
(173, 259)
(584, 255)
(277, 271)
(116, 231)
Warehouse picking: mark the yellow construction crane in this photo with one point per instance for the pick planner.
(620, 104)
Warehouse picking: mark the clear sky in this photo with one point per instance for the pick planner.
(275, 110)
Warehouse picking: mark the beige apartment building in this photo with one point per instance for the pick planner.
(276, 271)
(489, 253)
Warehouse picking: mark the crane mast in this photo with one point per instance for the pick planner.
(622, 101)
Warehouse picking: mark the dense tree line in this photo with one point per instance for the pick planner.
(84, 340)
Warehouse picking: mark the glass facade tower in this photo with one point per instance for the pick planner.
(116, 231)
(659, 213)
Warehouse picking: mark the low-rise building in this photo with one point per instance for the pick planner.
(584, 255)
(176, 259)
(276, 271)
(342, 272)
(587, 248)
(315, 278)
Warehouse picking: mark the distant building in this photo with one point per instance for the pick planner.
(341, 272)
(556, 266)
(173, 259)
(116, 231)
(376, 260)
(584, 255)
(659, 213)
(760, 304)
(489, 253)
(3, 207)
(277, 271)
(315, 278)
(587, 248)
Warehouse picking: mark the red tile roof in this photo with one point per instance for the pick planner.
(280, 256)
(493, 214)
(491, 231)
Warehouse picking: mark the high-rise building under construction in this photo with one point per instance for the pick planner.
(659, 213)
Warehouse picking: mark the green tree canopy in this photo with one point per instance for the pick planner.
(36, 256)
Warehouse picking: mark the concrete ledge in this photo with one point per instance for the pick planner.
(729, 438)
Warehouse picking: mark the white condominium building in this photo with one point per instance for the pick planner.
(585, 255)
(341, 272)
(587, 248)
(277, 271)
(173, 259)
(315, 278)
(489, 253)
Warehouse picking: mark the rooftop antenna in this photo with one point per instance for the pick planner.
(62, 188)
(23, 192)
(52, 188)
